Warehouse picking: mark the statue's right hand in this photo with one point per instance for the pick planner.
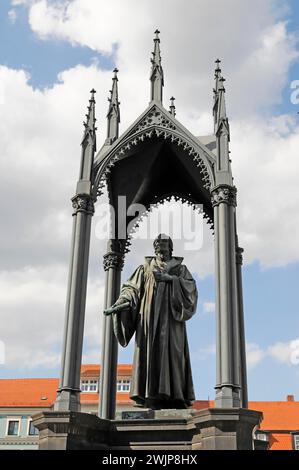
(119, 301)
(117, 306)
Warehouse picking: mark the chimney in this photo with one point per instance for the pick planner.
(290, 398)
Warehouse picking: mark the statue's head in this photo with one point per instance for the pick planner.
(163, 246)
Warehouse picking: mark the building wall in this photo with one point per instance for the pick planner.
(22, 441)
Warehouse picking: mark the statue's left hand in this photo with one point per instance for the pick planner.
(162, 277)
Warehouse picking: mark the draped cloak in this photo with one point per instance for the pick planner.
(157, 315)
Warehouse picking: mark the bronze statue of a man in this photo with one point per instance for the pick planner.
(162, 296)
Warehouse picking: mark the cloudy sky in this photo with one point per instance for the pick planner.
(52, 52)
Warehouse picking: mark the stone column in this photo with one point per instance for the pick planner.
(227, 339)
(113, 263)
(242, 342)
(68, 395)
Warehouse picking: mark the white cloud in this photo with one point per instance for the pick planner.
(254, 355)
(203, 354)
(255, 50)
(20, 2)
(286, 353)
(283, 352)
(40, 139)
(265, 165)
(209, 307)
(32, 315)
(12, 15)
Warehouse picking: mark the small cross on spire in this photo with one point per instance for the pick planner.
(93, 92)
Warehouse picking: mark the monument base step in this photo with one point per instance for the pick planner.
(209, 429)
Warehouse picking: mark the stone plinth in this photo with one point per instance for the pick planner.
(225, 428)
(210, 429)
(71, 431)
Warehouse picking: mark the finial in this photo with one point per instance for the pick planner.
(93, 92)
(157, 32)
(217, 62)
(172, 106)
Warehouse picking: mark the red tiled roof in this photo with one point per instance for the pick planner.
(279, 441)
(278, 415)
(93, 370)
(203, 404)
(27, 392)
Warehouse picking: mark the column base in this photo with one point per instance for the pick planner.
(227, 428)
(68, 400)
(210, 429)
(227, 397)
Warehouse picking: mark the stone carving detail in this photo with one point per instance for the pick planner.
(239, 255)
(83, 203)
(224, 193)
(113, 259)
(154, 117)
(149, 209)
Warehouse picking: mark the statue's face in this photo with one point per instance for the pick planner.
(162, 250)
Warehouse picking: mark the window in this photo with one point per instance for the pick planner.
(13, 427)
(262, 436)
(123, 385)
(89, 385)
(296, 441)
(32, 430)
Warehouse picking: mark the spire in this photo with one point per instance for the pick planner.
(157, 79)
(216, 91)
(219, 108)
(89, 124)
(89, 140)
(221, 130)
(113, 115)
(172, 106)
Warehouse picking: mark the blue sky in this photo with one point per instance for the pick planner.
(43, 60)
(270, 280)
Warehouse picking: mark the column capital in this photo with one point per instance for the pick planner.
(113, 259)
(224, 193)
(83, 203)
(239, 255)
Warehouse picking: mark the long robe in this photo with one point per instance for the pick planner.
(157, 315)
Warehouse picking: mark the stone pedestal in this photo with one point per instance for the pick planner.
(225, 428)
(71, 431)
(210, 429)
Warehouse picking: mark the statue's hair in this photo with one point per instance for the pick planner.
(162, 236)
